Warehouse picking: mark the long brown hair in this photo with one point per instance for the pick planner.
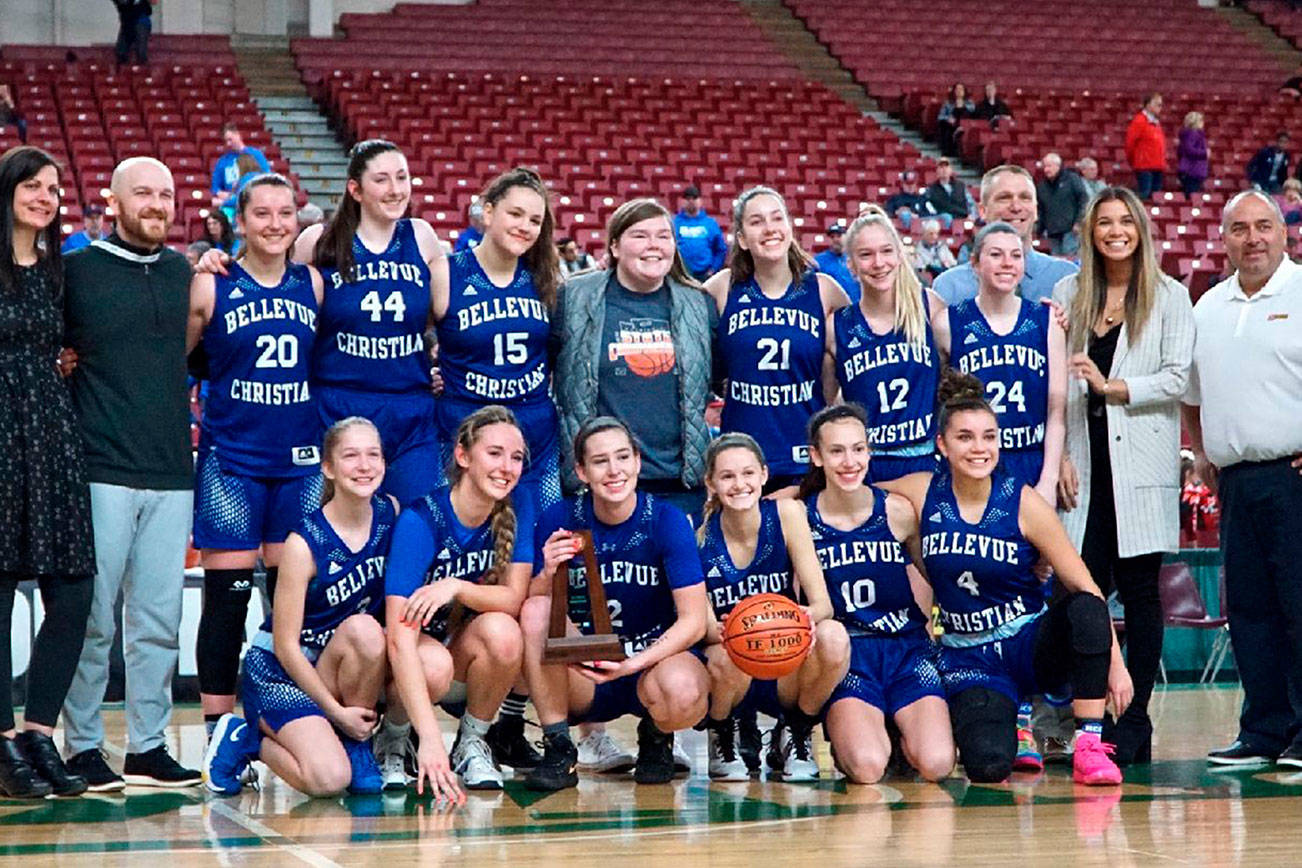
(721, 444)
(910, 317)
(334, 249)
(331, 442)
(542, 259)
(502, 517)
(634, 211)
(16, 166)
(1092, 283)
(741, 263)
(816, 478)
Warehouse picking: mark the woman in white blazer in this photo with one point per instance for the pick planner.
(1130, 339)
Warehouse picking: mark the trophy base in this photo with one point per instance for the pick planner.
(578, 649)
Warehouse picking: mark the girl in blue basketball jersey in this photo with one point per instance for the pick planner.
(884, 349)
(458, 571)
(773, 309)
(982, 530)
(493, 316)
(1018, 350)
(754, 546)
(651, 573)
(257, 474)
(316, 669)
(865, 539)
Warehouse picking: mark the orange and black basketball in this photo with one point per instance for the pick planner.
(767, 636)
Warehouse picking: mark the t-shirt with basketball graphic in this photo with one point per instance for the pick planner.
(637, 376)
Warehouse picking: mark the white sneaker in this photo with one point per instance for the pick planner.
(682, 762)
(473, 760)
(601, 753)
(725, 764)
(250, 777)
(392, 747)
(792, 759)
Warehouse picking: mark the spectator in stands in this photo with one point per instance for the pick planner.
(835, 263)
(649, 327)
(1292, 202)
(474, 231)
(956, 107)
(948, 194)
(1146, 146)
(1008, 195)
(573, 260)
(227, 172)
(992, 107)
(249, 168)
(45, 529)
(911, 202)
(1130, 338)
(92, 229)
(125, 316)
(1062, 202)
(134, 25)
(1241, 414)
(700, 240)
(1268, 168)
(931, 255)
(1191, 154)
(195, 250)
(9, 114)
(218, 232)
(1088, 169)
(310, 215)
(1293, 86)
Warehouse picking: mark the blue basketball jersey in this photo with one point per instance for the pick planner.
(769, 571)
(865, 572)
(771, 352)
(980, 573)
(892, 378)
(643, 560)
(1014, 367)
(372, 328)
(346, 583)
(493, 339)
(260, 416)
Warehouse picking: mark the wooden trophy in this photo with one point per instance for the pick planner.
(602, 644)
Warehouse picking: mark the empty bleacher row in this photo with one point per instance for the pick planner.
(1281, 16)
(91, 115)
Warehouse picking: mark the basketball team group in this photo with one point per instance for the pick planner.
(415, 444)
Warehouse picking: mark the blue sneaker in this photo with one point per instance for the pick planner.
(367, 779)
(233, 745)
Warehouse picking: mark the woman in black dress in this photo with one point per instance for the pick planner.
(45, 529)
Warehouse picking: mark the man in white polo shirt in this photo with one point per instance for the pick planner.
(1243, 412)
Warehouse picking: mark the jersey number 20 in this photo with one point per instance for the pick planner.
(277, 351)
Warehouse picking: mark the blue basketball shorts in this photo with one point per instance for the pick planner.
(884, 468)
(890, 672)
(240, 513)
(1025, 465)
(270, 694)
(1004, 665)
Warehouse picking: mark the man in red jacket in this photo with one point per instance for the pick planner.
(1146, 147)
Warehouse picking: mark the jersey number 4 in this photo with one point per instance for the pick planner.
(393, 304)
(967, 582)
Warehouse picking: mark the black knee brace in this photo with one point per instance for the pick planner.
(1091, 645)
(985, 730)
(272, 573)
(226, 595)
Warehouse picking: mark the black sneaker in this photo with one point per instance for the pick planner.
(510, 747)
(655, 754)
(18, 780)
(90, 765)
(156, 768)
(44, 756)
(749, 742)
(558, 768)
(1292, 757)
(1239, 754)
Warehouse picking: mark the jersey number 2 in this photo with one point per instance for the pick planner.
(394, 304)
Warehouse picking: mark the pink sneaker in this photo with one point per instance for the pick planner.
(1028, 757)
(1091, 764)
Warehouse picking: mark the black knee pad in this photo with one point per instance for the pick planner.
(226, 595)
(1091, 625)
(985, 731)
(269, 582)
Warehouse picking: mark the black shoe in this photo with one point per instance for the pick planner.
(749, 742)
(18, 780)
(156, 768)
(1240, 754)
(90, 765)
(510, 747)
(1132, 738)
(655, 754)
(44, 756)
(1291, 757)
(559, 767)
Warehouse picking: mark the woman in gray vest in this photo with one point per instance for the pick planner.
(634, 342)
(1131, 338)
